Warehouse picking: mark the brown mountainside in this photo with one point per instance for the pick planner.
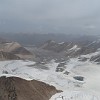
(13, 88)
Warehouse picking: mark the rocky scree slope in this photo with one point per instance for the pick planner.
(13, 50)
(14, 88)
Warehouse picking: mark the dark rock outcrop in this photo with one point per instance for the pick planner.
(61, 67)
(13, 88)
(8, 56)
(79, 78)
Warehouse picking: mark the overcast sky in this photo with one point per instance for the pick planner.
(50, 16)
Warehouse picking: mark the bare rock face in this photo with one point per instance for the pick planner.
(61, 67)
(15, 49)
(13, 88)
(8, 56)
(79, 78)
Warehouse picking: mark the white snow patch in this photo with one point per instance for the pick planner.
(61, 43)
(75, 47)
(75, 95)
(73, 89)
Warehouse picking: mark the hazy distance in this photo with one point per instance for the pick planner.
(50, 16)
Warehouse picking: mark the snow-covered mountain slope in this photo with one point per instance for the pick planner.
(88, 89)
(72, 49)
(75, 95)
(80, 83)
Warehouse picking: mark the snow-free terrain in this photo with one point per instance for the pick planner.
(73, 89)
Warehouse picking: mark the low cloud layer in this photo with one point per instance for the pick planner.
(50, 16)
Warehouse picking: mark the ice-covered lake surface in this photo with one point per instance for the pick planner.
(73, 89)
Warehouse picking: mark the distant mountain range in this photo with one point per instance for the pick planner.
(75, 49)
(37, 39)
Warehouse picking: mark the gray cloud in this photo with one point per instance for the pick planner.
(63, 16)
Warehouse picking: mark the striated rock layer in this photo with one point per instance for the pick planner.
(13, 88)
